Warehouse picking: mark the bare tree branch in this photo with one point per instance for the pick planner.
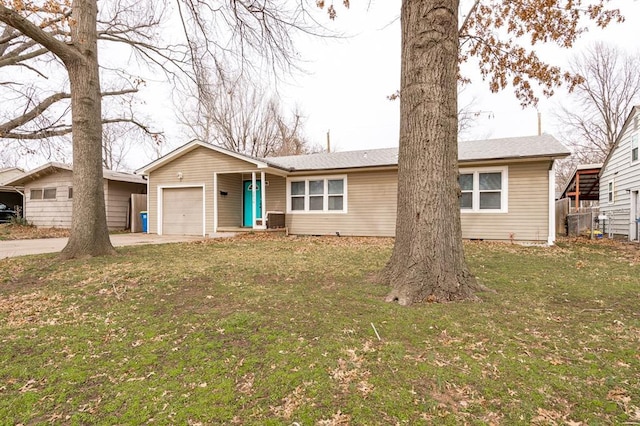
(11, 125)
(64, 51)
(601, 103)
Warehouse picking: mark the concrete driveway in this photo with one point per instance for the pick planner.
(13, 248)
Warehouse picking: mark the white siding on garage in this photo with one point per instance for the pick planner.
(53, 212)
(182, 211)
(624, 176)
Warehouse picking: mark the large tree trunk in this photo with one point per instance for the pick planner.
(89, 232)
(428, 261)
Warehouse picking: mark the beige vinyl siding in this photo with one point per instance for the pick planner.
(197, 168)
(50, 213)
(371, 205)
(528, 207)
(372, 198)
(117, 196)
(276, 194)
(230, 205)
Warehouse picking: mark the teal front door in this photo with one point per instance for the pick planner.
(247, 217)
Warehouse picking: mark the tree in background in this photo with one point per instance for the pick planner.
(427, 262)
(601, 102)
(239, 115)
(67, 32)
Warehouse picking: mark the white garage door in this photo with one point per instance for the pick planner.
(182, 211)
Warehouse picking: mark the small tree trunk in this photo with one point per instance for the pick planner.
(89, 232)
(427, 260)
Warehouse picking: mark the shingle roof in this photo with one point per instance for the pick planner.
(481, 150)
(53, 167)
(510, 148)
(337, 160)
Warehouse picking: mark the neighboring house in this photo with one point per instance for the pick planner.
(577, 205)
(49, 192)
(583, 187)
(11, 196)
(620, 181)
(200, 189)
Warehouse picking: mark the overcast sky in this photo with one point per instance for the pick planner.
(347, 81)
(345, 87)
(346, 91)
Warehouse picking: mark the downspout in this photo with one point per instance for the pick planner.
(551, 237)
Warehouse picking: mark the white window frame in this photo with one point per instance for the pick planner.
(504, 191)
(325, 195)
(635, 147)
(611, 192)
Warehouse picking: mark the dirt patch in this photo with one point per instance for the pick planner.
(194, 295)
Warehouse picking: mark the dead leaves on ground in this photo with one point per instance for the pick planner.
(36, 308)
(20, 232)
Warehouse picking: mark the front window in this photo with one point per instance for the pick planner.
(336, 194)
(297, 195)
(490, 190)
(466, 187)
(318, 194)
(483, 190)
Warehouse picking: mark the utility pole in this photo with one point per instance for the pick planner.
(328, 141)
(539, 123)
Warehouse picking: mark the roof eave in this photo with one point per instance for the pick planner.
(553, 156)
(192, 145)
(550, 156)
(346, 168)
(34, 174)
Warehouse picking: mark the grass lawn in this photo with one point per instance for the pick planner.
(274, 330)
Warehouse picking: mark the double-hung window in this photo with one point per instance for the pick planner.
(634, 148)
(610, 192)
(317, 194)
(483, 190)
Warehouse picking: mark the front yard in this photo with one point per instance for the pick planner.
(9, 231)
(276, 330)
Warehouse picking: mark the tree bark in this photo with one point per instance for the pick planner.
(89, 232)
(428, 262)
